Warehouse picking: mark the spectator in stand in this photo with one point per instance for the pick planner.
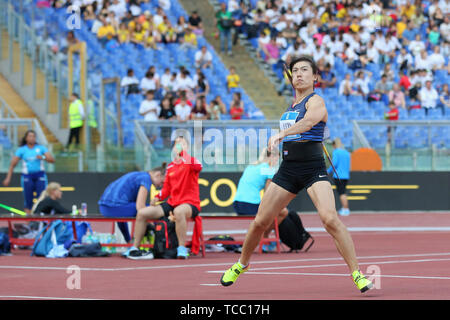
(434, 35)
(106, 32)
(423, 61)
(382, 88)
(199, 112)
(346, 86)
(182, 95)
(409, 34)
(387, 70)
(361, 83)
(404, 59)
(138, 35)
(444, 29)
(130, 83)
(180, 27)
(236, 107)
(149, 82)
(271, 51)
(185, 83)
(233, 80)
(391, 115)
(168, 81)
(417, 45)
(167, 113)
(444, 99)
(195, 22)
(404, 82)
(203, 58)
(150, 110)
(123, 34)
(397, 96)
(202, 87)
(166, 31)
(436, 59)
(372, 54)
(189, 40)
(224, 24)
(183, 109)
(428, 97)
(216, 108)
(327, 77)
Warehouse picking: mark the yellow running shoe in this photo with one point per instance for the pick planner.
(361, 281)
(230, 276)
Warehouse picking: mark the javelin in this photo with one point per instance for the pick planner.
(13, 210)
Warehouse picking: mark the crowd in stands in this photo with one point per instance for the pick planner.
(176, 94)
(409, 39)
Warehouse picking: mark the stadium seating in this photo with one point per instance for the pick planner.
(113, 60)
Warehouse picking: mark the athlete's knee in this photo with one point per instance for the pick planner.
(182, 212)
(262, 224)
(330, 221)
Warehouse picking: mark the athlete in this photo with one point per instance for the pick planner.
(303, 166)
(182, 191)
(128, 194)
(34, 178)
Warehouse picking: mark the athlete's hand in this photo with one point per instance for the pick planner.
(154, 201)
(275, 140)
(6, 182)
(172, 217)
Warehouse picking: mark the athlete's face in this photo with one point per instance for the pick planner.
(31, 138)
(302, 75)
(158, 179)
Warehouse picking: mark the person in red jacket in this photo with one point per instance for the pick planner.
(181, 189)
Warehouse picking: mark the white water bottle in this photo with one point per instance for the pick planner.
(74, 210)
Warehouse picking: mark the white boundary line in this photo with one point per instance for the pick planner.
(197, 265)
(346, 275)
(44, 298)
(340, 265)
(351, 229)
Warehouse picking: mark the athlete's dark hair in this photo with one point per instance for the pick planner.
(305, 58)
(161, 169)
(24, 138)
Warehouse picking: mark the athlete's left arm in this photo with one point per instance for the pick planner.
(316, 112)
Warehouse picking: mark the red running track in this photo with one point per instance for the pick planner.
(404, 264)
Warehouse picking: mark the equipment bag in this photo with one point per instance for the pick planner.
(293, 234)
(5, 245)
(57, 233)
(166, 241)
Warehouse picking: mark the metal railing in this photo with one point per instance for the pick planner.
(406, 145)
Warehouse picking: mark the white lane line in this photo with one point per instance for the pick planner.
(346, 275)
(351, 229)
(44, 298)
(339, 265)
(199, 265)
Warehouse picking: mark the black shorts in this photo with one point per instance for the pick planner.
(245, 208)
(167, 208)
(341, 186)
(293, 176)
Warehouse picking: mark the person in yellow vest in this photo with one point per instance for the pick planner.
(76, 117)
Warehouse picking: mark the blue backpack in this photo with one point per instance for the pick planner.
(56, 233)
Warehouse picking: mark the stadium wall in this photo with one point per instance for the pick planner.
(367, 191)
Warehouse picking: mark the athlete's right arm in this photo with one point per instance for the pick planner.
(141, 197)
(14, 161)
